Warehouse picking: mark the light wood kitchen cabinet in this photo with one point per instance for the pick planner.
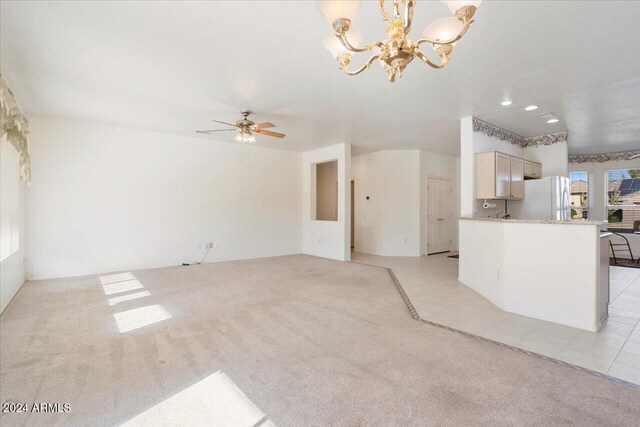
(528, 168)
(532, 170)
(537, 170)
(502, 175)
(517, 178)
(499, 176)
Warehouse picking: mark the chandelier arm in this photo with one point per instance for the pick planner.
(420, 54)
(408, 15)
(366, 48)
(396, 8)
(440, 42)
(385, 17)
(364, 67)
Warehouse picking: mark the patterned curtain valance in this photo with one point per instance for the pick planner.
(513, 138)
(14, 124)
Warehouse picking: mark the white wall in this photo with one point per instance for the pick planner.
(467, 168)
(545, 271)
(553, 158)
(367, 173)
(106, 198)
(481, 259)
(597, 209)
(12, 270)
(402, 202)
(458, 201)
(388, 223)
(439, 166)
(328, 239)
(483, 143)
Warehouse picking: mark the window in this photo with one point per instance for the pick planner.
(623, 200)
(9, 199)
(579, 195)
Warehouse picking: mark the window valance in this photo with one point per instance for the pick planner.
(13, 123)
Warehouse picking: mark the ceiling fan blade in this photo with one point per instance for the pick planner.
(264, 125)
(269, 133)
(214, 130)
(224, 123)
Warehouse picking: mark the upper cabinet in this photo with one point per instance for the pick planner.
(517, 178)
(532, 170)
(501, 176)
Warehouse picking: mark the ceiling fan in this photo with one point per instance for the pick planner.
(246, 129)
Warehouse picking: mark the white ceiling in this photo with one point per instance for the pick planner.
(173, 66)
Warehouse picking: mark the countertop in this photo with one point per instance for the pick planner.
(533, 221)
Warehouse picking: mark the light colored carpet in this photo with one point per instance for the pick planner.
(291, 340)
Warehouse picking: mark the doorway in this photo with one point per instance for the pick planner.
(439, 211)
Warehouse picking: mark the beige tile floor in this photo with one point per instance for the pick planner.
(431, 284)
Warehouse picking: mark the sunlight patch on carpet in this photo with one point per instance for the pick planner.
(139, 317)
(214, 401)
(115, 288)
(128, 297)
(118, 277)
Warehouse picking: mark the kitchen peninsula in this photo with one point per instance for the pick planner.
(550, 270)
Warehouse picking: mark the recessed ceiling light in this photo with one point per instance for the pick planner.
(506, 103)
(531, 107)
(554, 120)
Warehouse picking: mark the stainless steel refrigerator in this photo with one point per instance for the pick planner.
(544, 198)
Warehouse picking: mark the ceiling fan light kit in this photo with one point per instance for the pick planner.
(246, 129)
(398, 50)
(245, 137)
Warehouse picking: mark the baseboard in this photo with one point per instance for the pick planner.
(12, 297)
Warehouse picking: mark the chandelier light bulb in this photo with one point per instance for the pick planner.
(455, 5)
(530, 107)
(336, 9)
(443, 29)
(506, 103)
(553, 120)
(335, 46)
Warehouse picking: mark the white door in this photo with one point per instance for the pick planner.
(439, 219)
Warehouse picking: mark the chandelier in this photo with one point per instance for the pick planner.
(396, 52)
